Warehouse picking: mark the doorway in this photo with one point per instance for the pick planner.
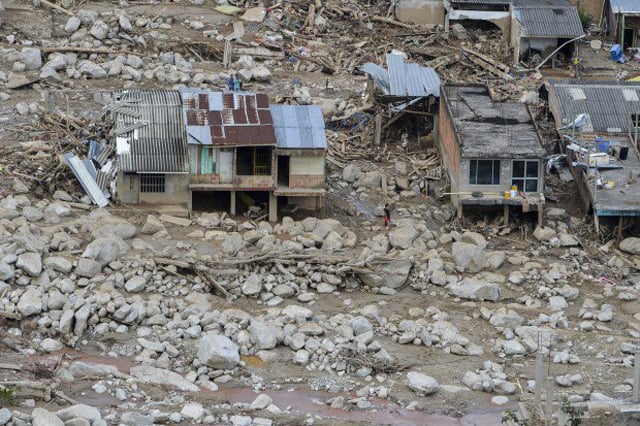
(283, 170)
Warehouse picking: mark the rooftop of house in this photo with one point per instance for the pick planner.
(610, 106)
(149, 131)
(488, 129)
(404, 79)
(227, 118)
(548, 18)
(299, 126)
(625, 6)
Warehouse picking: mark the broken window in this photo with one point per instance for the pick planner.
(484, 172)
(152, 183)
(525, 175)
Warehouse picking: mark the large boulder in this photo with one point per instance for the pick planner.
(162, 377)
(371, 180)
(473, 289)
(475, 239)
(544, 234)
(468, 257)
(30, 263)
(351, 173)
(30, 302)
(402, 237)
(630, 245)
(105, 249)
(42, 417)
(90, 69)
(80, 411)
(421, 383)
(233, 243)
(392, 273)
(218, 351)
(31, 57)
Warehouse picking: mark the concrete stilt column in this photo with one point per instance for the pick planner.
(273, 208)
(539, 375)
(232, 204)
(549, 400)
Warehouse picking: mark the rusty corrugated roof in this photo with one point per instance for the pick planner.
(227, 118)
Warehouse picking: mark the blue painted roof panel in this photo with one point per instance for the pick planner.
(299, 126)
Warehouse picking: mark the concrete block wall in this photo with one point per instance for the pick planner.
(592, 7)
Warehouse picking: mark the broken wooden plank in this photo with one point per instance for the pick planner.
(498, 65)
(488, 67)
(390, 21)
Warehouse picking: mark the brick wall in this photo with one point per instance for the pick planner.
(306, 181)
(448, 144)
(592, 7)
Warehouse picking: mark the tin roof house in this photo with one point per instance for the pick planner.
(542, 26)
(204, 149)
(491, 151)
(622, 20)
(150, 147)
(599, 124)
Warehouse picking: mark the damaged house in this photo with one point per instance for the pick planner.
(542, 26)
(150, 147)
(622, 20)
(492, 152)
(599, 123)
(403, 91)
(212, 150)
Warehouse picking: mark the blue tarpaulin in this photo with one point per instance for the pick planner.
(616, 53)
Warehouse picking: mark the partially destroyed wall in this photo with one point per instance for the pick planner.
(422, 12)
(591, 7)
(447, 143)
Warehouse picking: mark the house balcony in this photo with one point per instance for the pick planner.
(204, 182)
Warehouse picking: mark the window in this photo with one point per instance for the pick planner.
(484, 172)
(207, 161)
(151, 183)
(525, 175)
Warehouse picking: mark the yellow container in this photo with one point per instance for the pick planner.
(507, 194)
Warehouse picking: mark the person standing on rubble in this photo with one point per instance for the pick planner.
(230, 82)
(387, 216)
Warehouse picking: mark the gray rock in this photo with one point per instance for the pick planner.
(468, 257)
(630, 245)
(422, 384)
(99, 30)
(81, 411)
(360, 325)
(18, 185)
(58, 263)
(513, 347)
(51, 345)
(568, 240)
(474, 289)
(81, 369)
(233, 243)
(262, 74)
(5, 416)
(59, 208)
(218, 351)
(91, 70)
(371, 180)
(253, 285)
(350, 173)
(32, 214)
(544, 234)
(105, 249)
(263, 336)
(125, 24)
(6, 272)
(30, 302)
(87, 268)
(475, 239)
(31, 57)
(87, 16)
(402, 237)
(31, 263)
(392, 274)
(42, 417)
(136, 284)
(62, 196)
(72, 25)
(162, 377)
(506, 319)
(557, 303)
(555, 213)
(261, 402)
(132, 418)
(193, 411)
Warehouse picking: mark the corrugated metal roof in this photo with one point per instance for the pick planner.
(404, 79)
(88, 183)
(227, 118)
(549, 21)
(609, 105)
(151, 122)
(299, 126)
(621, 6)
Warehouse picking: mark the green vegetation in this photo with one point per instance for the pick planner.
(585, 18)
(6, 397)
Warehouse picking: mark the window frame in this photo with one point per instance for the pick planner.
(495, 171)
(524, 179)
(151, 183)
